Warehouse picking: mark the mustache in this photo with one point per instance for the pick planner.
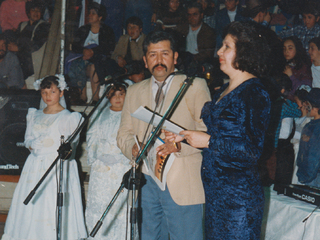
(158, 65)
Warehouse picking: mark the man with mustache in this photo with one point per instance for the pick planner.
(10, 71)
(176, 211)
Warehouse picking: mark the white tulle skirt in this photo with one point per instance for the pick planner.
(38, 219)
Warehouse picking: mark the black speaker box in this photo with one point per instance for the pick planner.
(14, 105)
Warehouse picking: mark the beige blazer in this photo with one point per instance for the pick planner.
(184, 178)
(122, 46)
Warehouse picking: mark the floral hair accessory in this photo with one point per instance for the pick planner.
(62, 83)
(305, 87)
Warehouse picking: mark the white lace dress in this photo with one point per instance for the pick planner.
(108, 165)
(37, 220)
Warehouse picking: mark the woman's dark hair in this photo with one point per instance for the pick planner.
(34, 4)
(158, 36)
(117, 87)
(135, 21)
(316, 41)
(48, 81)
(252, 49)
(301, 56)
(100, 10)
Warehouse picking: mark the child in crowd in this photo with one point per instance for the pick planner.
(298, 63)
(172, 14)
(308, 159)
(300, 97)
(309, 29)
(314, 52)
(108, 166)
(129, 46)
(38, 219)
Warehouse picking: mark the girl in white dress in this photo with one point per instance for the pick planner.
(38, 219)
(108, 165)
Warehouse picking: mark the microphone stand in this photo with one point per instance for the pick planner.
(64, 152)
(186, 84)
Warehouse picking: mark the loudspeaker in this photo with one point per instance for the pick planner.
(14, 105)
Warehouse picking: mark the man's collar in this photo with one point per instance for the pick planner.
(136, 40)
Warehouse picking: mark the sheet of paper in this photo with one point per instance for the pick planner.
(145, 115)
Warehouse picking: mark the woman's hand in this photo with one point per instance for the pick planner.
(196, 139)
(171, 137)
(87, 54)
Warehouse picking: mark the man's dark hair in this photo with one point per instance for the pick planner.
(158, 36)
(3, 37)
(100, 10)
(252, 49)
(311, 7)
(135, 21)
(135, 66)
(253, 7)
(195, 5)
(34, 4)
(316, 41)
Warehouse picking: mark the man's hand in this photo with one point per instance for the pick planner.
(267, 17)
(121, 61)
(168, 148)
(12, 47)
(288, 71)
(87, 54)
(135, 149)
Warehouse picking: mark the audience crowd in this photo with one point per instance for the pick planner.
(291, 28)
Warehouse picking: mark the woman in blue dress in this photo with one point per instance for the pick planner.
(236, 120)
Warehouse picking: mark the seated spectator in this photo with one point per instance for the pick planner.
(95, 41)
(209, 12)
(310, 27)
(137, 70)
(10, 71)
(288, 108)
(129, 46)
(12, 12)
(300, 97)
(314, 52)
(172, 14)
(31, 36)
(256, 10)
(232, 12)
(200, 38)
(308, 159)
(298, 64)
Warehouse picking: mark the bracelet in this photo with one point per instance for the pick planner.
(208, 142)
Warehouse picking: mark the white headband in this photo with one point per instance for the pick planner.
(62, 83)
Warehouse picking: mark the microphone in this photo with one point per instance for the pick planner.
(196, 69)
(119, 74)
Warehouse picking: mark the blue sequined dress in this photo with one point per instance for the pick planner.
(234, 194)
